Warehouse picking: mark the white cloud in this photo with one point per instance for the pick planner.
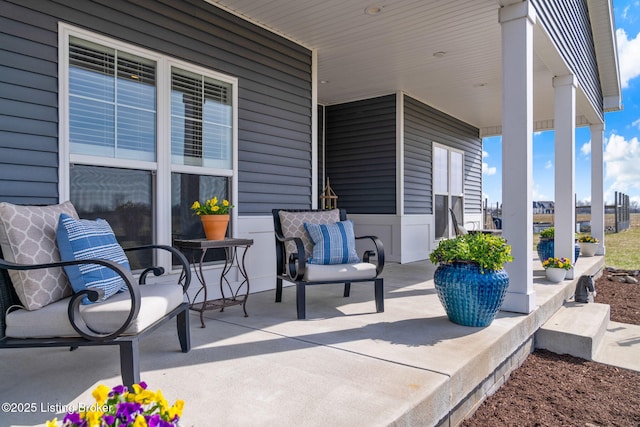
(537, 195)
(586, 148)
(487, 170)
(485, 154)
(636, 123)
(621, 159)
(585, 201)
(628, 54)
(548, 165)
(630, 17)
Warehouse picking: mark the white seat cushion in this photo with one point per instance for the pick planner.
(53, 321)
(340, 272)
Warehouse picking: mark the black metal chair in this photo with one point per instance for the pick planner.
(86, 336)
(292, 265)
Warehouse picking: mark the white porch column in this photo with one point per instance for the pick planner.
(517, 23)
(597, 185)
(564, 127)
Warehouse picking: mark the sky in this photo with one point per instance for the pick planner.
(622, 132)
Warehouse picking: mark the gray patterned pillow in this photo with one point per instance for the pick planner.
(28, 236)
(293, 226)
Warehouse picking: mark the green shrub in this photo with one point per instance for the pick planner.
(488, 251)
(547, 233)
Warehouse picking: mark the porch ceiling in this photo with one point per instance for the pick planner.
(445, 53)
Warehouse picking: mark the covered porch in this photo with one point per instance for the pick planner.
(345, 366)
(389, 100)
(443, 73)
(446, 75)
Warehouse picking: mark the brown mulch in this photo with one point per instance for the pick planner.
(562, 390)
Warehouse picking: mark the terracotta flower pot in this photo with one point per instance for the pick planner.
(215, 226)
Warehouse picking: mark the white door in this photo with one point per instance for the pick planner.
(448, 189)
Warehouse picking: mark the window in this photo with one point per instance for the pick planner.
(448, 188)
(143, 136)
(112, 102)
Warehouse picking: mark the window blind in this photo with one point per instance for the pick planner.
(112, 102)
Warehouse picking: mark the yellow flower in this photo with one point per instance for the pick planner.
(213, 206)
(143, 396)
(162, 402)
(140, 421)
(146, 397)
(176, 409)
(560, 265)
(94, 418)
(153, 404)
(101, 393)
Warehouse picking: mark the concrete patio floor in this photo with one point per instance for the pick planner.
(346, 365)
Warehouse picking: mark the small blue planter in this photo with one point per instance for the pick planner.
(545, 249)
(470, 297)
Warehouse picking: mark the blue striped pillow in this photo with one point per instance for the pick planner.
(84, 239)
(333, 243)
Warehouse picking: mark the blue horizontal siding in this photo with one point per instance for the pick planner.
(424, 125)
(361, 154)
(274, 74)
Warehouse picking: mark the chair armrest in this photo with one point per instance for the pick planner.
(296, 266)
(185, 274)
(378, 253)
(73, 311)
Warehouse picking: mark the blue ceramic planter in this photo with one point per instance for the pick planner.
(470, 297)
(545, 249)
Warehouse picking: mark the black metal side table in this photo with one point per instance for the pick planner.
(232, 259)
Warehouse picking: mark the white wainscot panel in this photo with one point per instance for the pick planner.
(417, 237)
(385, 227)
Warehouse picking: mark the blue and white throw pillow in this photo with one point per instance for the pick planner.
(85, 239)
(333, 243)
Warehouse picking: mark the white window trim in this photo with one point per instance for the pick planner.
(162, 166)
(449, 193)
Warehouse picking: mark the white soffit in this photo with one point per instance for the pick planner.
(445, 53)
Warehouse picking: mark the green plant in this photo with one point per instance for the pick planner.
(547, 233)
(212, 207)
(563, 263)
(488, 251)
(119, 407)
(587, 238)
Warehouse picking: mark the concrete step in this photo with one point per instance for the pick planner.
(620, 346)
(576, 329)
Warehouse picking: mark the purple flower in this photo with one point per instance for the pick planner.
(127, 411)
(119, 389)
(109, 419)
(154, 420)
(74, 419)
